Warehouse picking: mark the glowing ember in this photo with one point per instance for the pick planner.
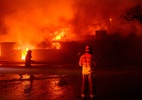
(56, 45)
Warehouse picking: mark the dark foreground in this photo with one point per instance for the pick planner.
(64, 83)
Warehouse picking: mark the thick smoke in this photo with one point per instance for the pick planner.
(94, 15)
(37, 21)
(32, 21)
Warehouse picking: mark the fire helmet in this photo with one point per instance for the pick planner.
(29, 51)
(88, 48)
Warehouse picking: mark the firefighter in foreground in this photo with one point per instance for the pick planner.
(87, 63)
(28, 62)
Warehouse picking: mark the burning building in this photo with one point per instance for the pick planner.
(58, 52)
(10, 52)
(58, 28)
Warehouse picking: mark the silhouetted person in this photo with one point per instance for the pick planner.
(87, 63)
(28, 61)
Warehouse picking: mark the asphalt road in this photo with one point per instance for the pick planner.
(64, 83)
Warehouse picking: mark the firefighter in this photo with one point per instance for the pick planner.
(28, 62)
(87, 63)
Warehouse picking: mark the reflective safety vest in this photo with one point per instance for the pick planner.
(87, 63)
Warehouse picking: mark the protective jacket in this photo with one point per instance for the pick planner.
(87, 63)
(28, 60)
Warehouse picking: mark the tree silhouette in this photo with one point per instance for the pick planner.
(133, 13)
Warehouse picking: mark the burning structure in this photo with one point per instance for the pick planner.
(59, 52)
(52, 33)
(56, 52)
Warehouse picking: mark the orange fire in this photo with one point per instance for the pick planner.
(59, 36)
(24, 52)
(23, 48)
(56, 45)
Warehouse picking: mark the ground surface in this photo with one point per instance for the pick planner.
(64, 83)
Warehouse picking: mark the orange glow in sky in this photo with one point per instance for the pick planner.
(33, 21)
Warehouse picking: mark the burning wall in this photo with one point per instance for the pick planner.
(7, 51)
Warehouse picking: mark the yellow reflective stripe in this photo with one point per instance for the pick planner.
(92, 95)
(83, 95)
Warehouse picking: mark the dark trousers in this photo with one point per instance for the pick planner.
(88, 84)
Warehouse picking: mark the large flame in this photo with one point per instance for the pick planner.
(56, 45)
(40, 23)
(43, 21)
(24, 52)
(23, 48)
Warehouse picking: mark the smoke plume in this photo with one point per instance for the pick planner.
(37, 21)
